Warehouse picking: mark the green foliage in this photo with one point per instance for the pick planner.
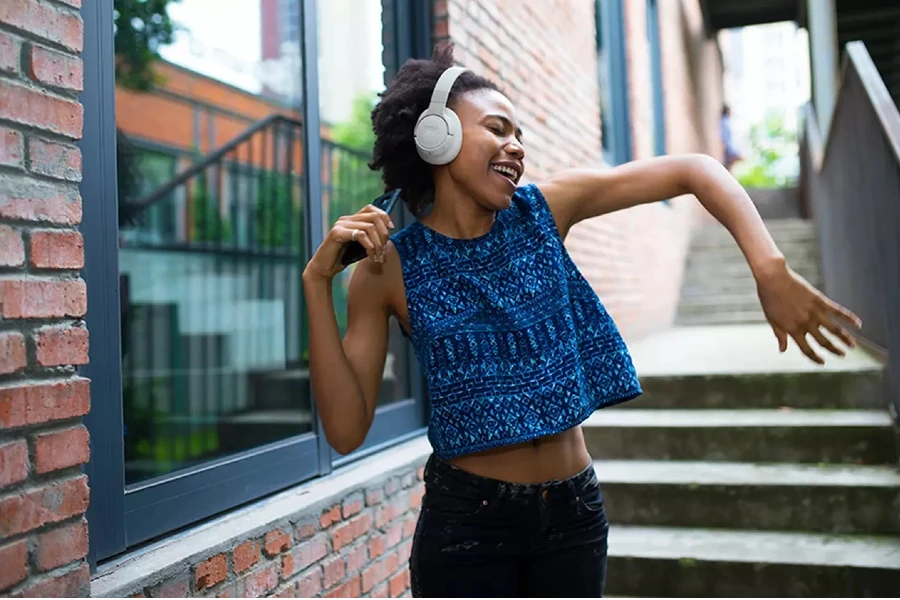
(357, 132)
(208, 224)
(771, 145)
(141, 28)
(278, 218)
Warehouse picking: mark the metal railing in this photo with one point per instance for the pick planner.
(851, 188)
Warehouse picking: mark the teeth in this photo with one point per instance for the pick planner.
(508, 171)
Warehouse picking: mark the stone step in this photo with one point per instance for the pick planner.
(719, 303)
(669, 562)
(756, 435)
(793, 251)
(781, 230)
(720, 318)
(824, 499)
(851, 389)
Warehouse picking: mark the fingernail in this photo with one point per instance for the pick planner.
(391, 223)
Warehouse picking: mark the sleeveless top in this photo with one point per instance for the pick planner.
(514, 342)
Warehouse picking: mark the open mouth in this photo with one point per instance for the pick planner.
(507, 171)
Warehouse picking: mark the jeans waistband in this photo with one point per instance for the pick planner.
(438, 469)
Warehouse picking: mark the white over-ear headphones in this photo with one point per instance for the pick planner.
(438, 131)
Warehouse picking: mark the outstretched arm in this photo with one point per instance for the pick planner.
(792, 306)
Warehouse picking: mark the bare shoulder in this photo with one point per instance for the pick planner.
(380, 283)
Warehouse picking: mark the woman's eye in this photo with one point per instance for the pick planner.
(497, 130)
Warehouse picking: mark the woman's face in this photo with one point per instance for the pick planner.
(491, 159)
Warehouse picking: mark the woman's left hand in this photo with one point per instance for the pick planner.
(794, 307)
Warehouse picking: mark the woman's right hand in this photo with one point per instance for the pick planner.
(370, 227)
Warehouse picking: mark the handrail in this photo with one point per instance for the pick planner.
(858, 58)
(852, 185)
(210, 159)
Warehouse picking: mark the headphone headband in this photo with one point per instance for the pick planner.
(442, 88)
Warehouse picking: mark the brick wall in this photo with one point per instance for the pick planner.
(43, 493)
(543, 54)
(355, 545)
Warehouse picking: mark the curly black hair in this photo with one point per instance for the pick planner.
(394, 121)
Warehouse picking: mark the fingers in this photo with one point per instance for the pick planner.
(800, 338)
(842, 312)
(839, 332)
(824, 341)
(370, 227)
(782, 338)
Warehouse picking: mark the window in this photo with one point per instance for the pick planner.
(612, 74)
(201, 393)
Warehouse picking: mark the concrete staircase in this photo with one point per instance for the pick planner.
(743, 472)
(718, 286)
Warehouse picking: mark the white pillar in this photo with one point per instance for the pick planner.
(824, 56)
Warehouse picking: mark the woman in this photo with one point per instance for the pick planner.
(517, 349)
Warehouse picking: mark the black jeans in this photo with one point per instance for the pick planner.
(480, 537)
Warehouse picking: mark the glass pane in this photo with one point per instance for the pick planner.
(350, 77)
(211, 228)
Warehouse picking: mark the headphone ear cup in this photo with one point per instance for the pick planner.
(438, 137)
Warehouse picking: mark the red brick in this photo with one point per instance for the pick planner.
(399, 583)
(245, 556)
(61, 449)
(75, 583)
(333, 570)
(12, 146)
(356, 559)
(28, 404)
(310, 585)
(60, 161)
(409, 526)
(40, 201)
(61, 345)
(258, 583)
(376, 546)
(277, 541)
(393, 486)
(50, 504)
(175, 587)
(350, 589)
(287, 566)
(288, 591)
(330, 516)
(404, 550)
(391, 510)
(13, 462)
(309, 553)
(14, 558)
(415, 495)
(63, 27)
(12, 352)
(55, 69)
(394, 535)
(9, 53)
(379, 572)
(352, 505)
(61, 546)
(41, 110)
(72, 3)
(440, 8)
(52, 249)
(374, 496)
(352, 530)
(380, 591)
(305, 529)
(12, 248)
(211, 571)
(43, 298)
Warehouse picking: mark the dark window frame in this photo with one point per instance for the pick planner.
(656, 79)
(610, 35)
(121, 518)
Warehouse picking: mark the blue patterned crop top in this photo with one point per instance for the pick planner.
(513, 340)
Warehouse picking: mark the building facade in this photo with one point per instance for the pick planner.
(157, 434)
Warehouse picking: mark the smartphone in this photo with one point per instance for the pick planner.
(354, 251)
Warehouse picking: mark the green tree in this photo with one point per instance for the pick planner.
(772, 144)
(141, 27)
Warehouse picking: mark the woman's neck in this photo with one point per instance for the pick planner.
(459, 217)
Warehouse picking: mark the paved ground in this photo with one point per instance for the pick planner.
(720, 349)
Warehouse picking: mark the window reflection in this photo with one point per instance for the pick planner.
(214, 348)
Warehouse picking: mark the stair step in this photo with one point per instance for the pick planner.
(859, 389)
(763, 435)
(732, 563)
(720, 318)
(826, 498)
